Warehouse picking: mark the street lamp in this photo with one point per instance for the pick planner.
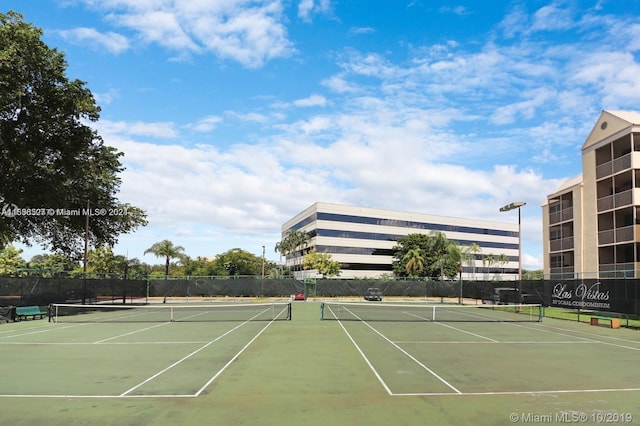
(262, 278)
(512, 206)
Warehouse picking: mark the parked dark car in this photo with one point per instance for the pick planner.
(373, 294)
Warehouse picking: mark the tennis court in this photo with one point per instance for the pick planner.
(418, 349)
(313, 363)
(133, 351)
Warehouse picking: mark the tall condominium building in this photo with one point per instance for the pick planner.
(361, 239)
(591, 224)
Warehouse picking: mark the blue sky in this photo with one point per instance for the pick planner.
(236, 115)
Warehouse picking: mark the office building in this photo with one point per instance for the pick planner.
(362, 239)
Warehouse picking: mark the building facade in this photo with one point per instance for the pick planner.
(362, 239)
(591, 224)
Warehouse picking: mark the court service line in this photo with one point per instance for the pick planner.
(589, 340)
(45, 329)
(206, 385)
(543, 392)
(452, 327)
(503, 342)
(375, 372)
(599, 336)
(181, 360)
(130, 333)
(193, 353)
(550, 329)
(467, 332)
(433, 373)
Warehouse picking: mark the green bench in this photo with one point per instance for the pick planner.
(24, 312)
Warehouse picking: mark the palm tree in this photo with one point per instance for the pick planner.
(293, 241)
(444, 254)
(502, 260)
(414, 261)
(469, 254)
(488, 260)
(167, 250)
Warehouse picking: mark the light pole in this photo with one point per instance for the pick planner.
(512, 206)
(262, 279)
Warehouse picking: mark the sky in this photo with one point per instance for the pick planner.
(236, 115)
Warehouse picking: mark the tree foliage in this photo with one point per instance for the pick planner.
(53, 164)
(49, 264)
(10, 260)
(321, 262)
(240, 262)
(428, 256)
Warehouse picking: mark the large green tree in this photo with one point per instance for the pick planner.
(49, 265)
(56, 169)
(240, 262)
(427, 255)
(10, 260)
(322, 262)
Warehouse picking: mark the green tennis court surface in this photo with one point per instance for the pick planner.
(119, 368)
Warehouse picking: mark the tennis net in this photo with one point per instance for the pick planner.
(406, 312)
(170, 313)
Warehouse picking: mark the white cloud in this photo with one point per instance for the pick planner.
(361, 30)
(253, 117)
(553, 17)
(163, 130)
(113, 42)
(249, 32)
(207, 124)
(339, 84)
(313, 100)
(613, 73)
(306, 8)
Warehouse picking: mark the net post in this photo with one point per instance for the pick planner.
(289, 311)
(540, 313)
(321, 311)
(49, 307)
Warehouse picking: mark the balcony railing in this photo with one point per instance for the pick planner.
(606, 237)
(620, 199)
(617, 270)
(561, 216)
(618, 235)
(561, 244)
(611, 167)
(624, 234)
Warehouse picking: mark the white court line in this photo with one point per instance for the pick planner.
(198, 350)
(543, 392)
(433, 373)
(467, 332)
(503, 342)
(206, 385)
(126, 394)
(187, 342)
(452, 327)
(375, 372)
(46, 330)
(590, 340)
(131, 332)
